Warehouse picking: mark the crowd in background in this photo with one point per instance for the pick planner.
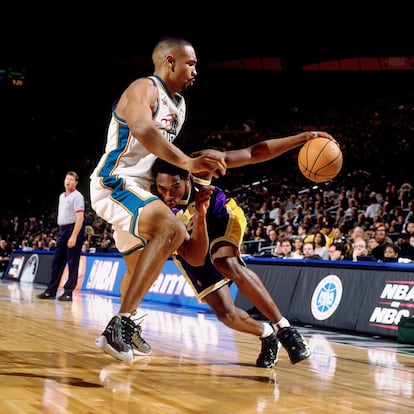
(373, 192)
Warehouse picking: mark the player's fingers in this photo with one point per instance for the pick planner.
(221, 166)
(316, 134)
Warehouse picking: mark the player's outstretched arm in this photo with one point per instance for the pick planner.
(267, 149)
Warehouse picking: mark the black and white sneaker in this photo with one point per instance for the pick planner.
(295, 345)
(269, 352)
(116, 339)
(139, 344)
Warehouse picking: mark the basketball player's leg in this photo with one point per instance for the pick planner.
(221, 302)
(236, 318)
(157, 233)
(225, 258)
(164, 233)
(250, 285)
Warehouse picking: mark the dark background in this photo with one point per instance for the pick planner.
(76, 63)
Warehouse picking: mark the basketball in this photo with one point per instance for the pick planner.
(320, 159)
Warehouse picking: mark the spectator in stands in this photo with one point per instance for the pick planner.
(321, 250)
(362, 220)
(340, 218)
(298, 247)
(352, 205)
(373, 208)
(351, 219)
(337, 235)
(278, 251)
(410, 213)
(404, 195)
(391, 252)
(107, 243)
(409, 228)
(291, 203)
(371, 244)
(359, 248)
(298, 216)
(286, 245)
(406, 250)
(274, 213)
(337, 251)
(263, 211)
(382, 238)
(309, 251)
(85, 247)
(302, 231)
(327, 230)
(289, 231)
(357, 231)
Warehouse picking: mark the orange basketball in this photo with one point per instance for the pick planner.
(320, 159)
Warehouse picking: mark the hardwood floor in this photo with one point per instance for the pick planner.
(49, 364)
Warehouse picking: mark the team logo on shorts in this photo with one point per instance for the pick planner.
(326, 297)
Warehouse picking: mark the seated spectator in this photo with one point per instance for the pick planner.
(382, 238)
(278, 251)
(85, 246)
(287, 247)
(298, 247)
(357, 231)
(302, 231)
(327, 229)
(391, 252)
(337, 251)
(373, 208)
(337, 235)
(371, 244)
(320, 241)
(309, 251)
(406, 249)
(360, 250)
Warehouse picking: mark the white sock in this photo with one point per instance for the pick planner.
(267, 330)
(127, 314)
(283, 323)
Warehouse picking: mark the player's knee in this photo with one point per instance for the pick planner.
(226, 265)
(174, 233)
(226, 316)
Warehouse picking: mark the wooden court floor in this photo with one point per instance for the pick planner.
(49, 364)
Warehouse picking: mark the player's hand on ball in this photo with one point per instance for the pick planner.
(319, 134)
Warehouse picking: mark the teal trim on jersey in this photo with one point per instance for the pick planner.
(122, 142)
(176, 98)
(136, 248)
(127, 199)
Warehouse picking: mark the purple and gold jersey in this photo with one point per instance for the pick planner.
(225, 221)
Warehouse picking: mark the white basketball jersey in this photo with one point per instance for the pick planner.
(124, 155)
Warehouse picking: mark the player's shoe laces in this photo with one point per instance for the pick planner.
(116, 339)
(269, 352)
(295, 345)
(139, 344)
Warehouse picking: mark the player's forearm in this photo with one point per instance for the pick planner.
(194, 251)
(264, 150)
(155, 143)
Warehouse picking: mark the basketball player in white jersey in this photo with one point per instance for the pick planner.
(145, 121)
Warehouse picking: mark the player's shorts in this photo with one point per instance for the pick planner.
(119, 202)
(228, 227)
